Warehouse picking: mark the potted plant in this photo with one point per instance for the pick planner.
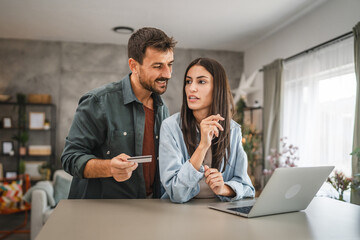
(341, 183)
(22, 137)
(22, 166)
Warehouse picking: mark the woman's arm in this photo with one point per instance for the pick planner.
(178, 176)
(235, 175)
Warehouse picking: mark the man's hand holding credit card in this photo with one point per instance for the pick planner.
(140, 159)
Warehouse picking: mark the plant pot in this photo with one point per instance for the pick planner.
(22, 151)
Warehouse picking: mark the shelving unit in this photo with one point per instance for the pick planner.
(36, 136)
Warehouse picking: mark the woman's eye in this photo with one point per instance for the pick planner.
(188, 81)
(202, 82)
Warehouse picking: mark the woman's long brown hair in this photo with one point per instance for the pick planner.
(222, 104)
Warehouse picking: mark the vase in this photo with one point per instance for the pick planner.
(22, 151)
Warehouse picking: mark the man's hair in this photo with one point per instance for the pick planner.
(148, 37)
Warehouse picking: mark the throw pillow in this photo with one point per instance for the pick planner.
(61, 188)
(11, 194)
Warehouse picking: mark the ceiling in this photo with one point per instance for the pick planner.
(233, 25)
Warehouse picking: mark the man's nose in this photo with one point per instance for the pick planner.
(166, 73)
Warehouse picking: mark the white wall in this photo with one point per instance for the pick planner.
(329, 20)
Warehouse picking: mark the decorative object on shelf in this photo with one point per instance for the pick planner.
(1, 171)
(45, 171)
(245, 87)
(32, 168)
(47, 124)
(39, 150)
(10, 175)
(288, 157)
(7, 147)
(256, 104)
(4, 98)
(341, 183)
(36, 120)
(7, 122)
(22, 139)
(39, 98)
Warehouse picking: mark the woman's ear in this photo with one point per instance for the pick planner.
(133, 65)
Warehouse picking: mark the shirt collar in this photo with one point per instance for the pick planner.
(129, 95)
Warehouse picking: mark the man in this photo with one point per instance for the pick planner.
(120, 120)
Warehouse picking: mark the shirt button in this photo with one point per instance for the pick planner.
(157, 137)
(125, 133)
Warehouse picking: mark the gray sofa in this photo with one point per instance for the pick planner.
(40, 202)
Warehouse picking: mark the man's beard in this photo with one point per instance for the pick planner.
(148, 86)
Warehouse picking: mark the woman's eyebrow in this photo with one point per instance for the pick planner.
(202, 77)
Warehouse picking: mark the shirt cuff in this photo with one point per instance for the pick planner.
(81, 163)
(189, 176)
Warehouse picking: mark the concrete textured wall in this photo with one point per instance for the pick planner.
(68, 70)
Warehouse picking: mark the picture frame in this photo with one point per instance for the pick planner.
(36, 120)
(7, 147)
(10, 175)
(7, 122)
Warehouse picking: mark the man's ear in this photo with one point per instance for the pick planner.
(133, 65)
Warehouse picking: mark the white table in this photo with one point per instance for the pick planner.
(160, 219)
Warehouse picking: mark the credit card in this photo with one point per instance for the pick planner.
(140, 159)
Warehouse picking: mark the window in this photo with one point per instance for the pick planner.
(319, 105)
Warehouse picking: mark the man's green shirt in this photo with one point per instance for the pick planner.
(109, 121)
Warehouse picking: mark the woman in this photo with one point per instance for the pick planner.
(204, 134)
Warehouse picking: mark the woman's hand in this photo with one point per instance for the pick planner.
(214, 179)
(209, 128)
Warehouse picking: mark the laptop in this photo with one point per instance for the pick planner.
(288, 190)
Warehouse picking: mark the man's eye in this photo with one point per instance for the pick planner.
(157, 66)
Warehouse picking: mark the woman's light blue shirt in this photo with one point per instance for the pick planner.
(181, 180)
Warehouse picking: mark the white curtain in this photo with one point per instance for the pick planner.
(319, 103)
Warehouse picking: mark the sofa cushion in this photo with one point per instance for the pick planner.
(61, 188)
(11, 194)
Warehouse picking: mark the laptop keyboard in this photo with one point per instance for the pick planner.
(244, 210)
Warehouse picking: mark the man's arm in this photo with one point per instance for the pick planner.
(118, 168)
(97, 168)
(87, 132)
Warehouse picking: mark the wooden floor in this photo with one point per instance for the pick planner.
(11, 221)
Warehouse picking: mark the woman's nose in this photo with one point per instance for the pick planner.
(193, 87)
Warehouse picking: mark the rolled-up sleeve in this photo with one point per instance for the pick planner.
(86, 133)
(238, 178)
(178, 176)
